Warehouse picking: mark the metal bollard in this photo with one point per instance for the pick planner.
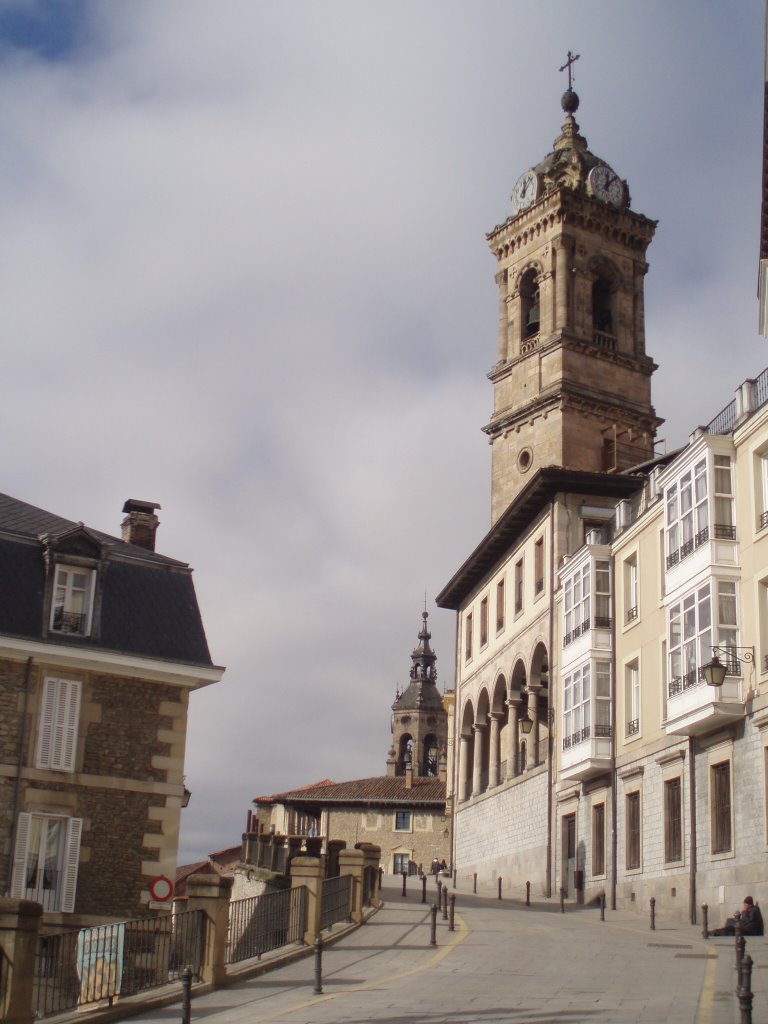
(405, 875)
(439, 894)
(499, 886)
(423, 888)
(452, 912)
(744, 993)
(381, 878)
(527, 894)
(474, 883)
(741, 949)
(318, 966)
(445, 902)
(704, 921)
(186, 995)
(454, 878)
(562, 900)
(602, 906)
(433, 925)
(653, 913)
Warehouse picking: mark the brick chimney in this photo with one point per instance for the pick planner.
(141, 523)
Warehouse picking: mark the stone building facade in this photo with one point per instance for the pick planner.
(101, 643)
(591, 756)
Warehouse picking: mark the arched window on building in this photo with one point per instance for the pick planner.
(405, 759)
(530, 307)
(431, 756)
(603, 305)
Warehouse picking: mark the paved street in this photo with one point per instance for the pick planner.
(503, 963)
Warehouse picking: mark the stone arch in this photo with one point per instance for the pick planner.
(431, 756)
(466, 751)
(528, 284)
(404, 753)
(606, 283)
(482, 743)
(498, 733)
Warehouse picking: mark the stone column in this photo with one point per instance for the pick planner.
(477, 767)
(514, 322)
(493, 759)
(19, 928)
(513, 738)
(546, 303)
(352, 863)
(561, 287)
(463, 755)
(372, 861)
(533, 710)
(309, 871)
(211, 894)
(501, 281)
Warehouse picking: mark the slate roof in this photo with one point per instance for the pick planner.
(148, 602)
(382, 789)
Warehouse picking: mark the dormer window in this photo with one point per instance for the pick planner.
(72, 602)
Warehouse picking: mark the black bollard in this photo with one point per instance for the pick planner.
(423, 888)
(405, 875)
(744, 993)
(704, 921)
(445, 902)
(739, 947)
(527, 894)
(602, 906)
(562, 900)
(474, 883)
(318, 966)
(653, 913)
(452, 912)
(454, 878)
(381, 878)
(186, 995)
(439, 894)
(433, 925)
(499, 886)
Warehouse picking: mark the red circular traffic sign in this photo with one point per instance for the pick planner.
(161, 889)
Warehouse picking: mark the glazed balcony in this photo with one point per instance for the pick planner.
(586, 752)
(695, 709)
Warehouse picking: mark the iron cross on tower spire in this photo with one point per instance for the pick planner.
(569, 64)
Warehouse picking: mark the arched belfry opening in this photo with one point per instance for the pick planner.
(419, 718)
(604, 306)
(530, 305)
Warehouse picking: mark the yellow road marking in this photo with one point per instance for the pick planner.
(443, 952)
(704, 1012)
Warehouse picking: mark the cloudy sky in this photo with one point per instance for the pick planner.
(243, 273)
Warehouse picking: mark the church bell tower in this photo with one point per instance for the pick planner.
(572, 384)
(419, 718)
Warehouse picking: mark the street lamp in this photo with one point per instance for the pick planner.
(526, 724)
(715, 671)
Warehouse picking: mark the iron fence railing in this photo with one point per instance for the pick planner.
(90, 965)
(259, 924)
(337, 900)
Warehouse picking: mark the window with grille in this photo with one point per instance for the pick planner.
(576, 707)
(576, 604)
(724, 522)
(673, 836)
(632, 698)
(402, 821)
(631, 602)
(598, 839)
(538, 565)
(721, 807)
(692, 632)
(468, 637)
(72, 601)
(633, 831)
(687, 513)
(45, 860)
(518, 586)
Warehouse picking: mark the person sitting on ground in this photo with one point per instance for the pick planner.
(751, 920)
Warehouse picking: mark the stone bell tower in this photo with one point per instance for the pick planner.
(419, 719)
(572, 385)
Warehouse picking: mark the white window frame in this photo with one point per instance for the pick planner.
(722, 472)
(696, 623)
(409, 826)
(687, 512)
(632, 698)
(762, 512)
(58, 724)
(577, 718)
(631, 589)
(64, 600)
(27, 881)
(576, 603)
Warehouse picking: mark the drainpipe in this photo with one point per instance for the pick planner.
(614, 771)
(455, 766)
(551, 713)
(692, 816)
(19, 765)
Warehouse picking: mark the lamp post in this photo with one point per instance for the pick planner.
(715, 671)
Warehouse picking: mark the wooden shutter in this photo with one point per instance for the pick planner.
(71, 861)
(60, 716)
(20, 856)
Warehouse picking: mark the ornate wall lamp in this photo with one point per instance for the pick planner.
(715, 671)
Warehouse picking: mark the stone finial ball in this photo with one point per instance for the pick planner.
(570, 101)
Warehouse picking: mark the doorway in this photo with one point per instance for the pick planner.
(569, 854)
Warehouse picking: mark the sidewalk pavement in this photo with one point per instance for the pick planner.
(504, 963)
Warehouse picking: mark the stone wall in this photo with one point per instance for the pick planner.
(423, 842)
(504, 833)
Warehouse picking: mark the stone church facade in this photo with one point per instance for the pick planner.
(590, 755)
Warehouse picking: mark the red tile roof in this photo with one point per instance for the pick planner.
(384, 789)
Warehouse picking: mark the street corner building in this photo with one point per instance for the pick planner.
(591, 753)
(101, 642)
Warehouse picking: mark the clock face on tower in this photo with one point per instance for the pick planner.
(605, 184)
(525, 192)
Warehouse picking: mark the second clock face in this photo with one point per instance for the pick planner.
(525, 192)
(605, 184)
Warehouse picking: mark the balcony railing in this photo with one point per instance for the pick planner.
(539, 586)
(725, 532)
(604, 340)
(700, 538)
(576, 632)
(529, 344)
(763, 519)
(69, 622)
(633, 727)
(632, 613)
